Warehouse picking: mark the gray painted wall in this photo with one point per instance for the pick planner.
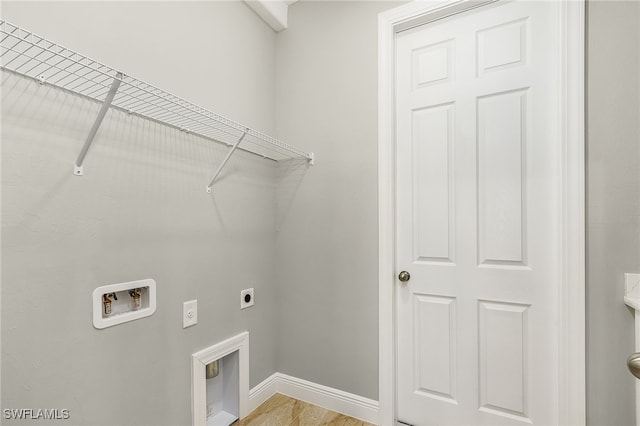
(216, 54)
(328, 235)
(613, 212)
(140, 211)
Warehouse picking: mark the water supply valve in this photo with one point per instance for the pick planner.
(135, 294)
(122, 302)
(106, 302)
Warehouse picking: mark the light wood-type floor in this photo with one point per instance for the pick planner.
(280, 410)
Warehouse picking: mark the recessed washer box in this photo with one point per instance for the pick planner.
(117, 303)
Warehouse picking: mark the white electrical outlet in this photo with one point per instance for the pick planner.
(189, 313)
(246, 298)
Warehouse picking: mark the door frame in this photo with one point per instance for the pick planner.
(571, 292)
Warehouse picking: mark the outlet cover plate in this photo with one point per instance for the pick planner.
(247, 299)
(189, 313)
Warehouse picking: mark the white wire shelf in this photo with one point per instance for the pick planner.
(33, 56)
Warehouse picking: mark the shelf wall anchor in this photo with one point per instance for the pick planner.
(77, 168)
(231, 151)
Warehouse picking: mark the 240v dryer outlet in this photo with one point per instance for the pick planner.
(246, 298)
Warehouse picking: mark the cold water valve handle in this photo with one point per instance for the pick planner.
(135, 294)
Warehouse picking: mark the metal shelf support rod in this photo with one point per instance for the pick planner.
(77, 169)
(231, 151)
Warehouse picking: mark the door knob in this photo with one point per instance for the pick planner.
(633, 363)
(404, 276)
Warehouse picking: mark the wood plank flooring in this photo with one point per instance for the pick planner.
(281, 410)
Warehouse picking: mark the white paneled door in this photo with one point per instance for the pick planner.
(478, 154)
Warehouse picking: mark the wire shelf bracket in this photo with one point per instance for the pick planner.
(224, 162)
(30, 55)
(77, 168)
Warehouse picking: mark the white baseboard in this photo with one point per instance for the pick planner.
(263, 391)
(323, 396)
